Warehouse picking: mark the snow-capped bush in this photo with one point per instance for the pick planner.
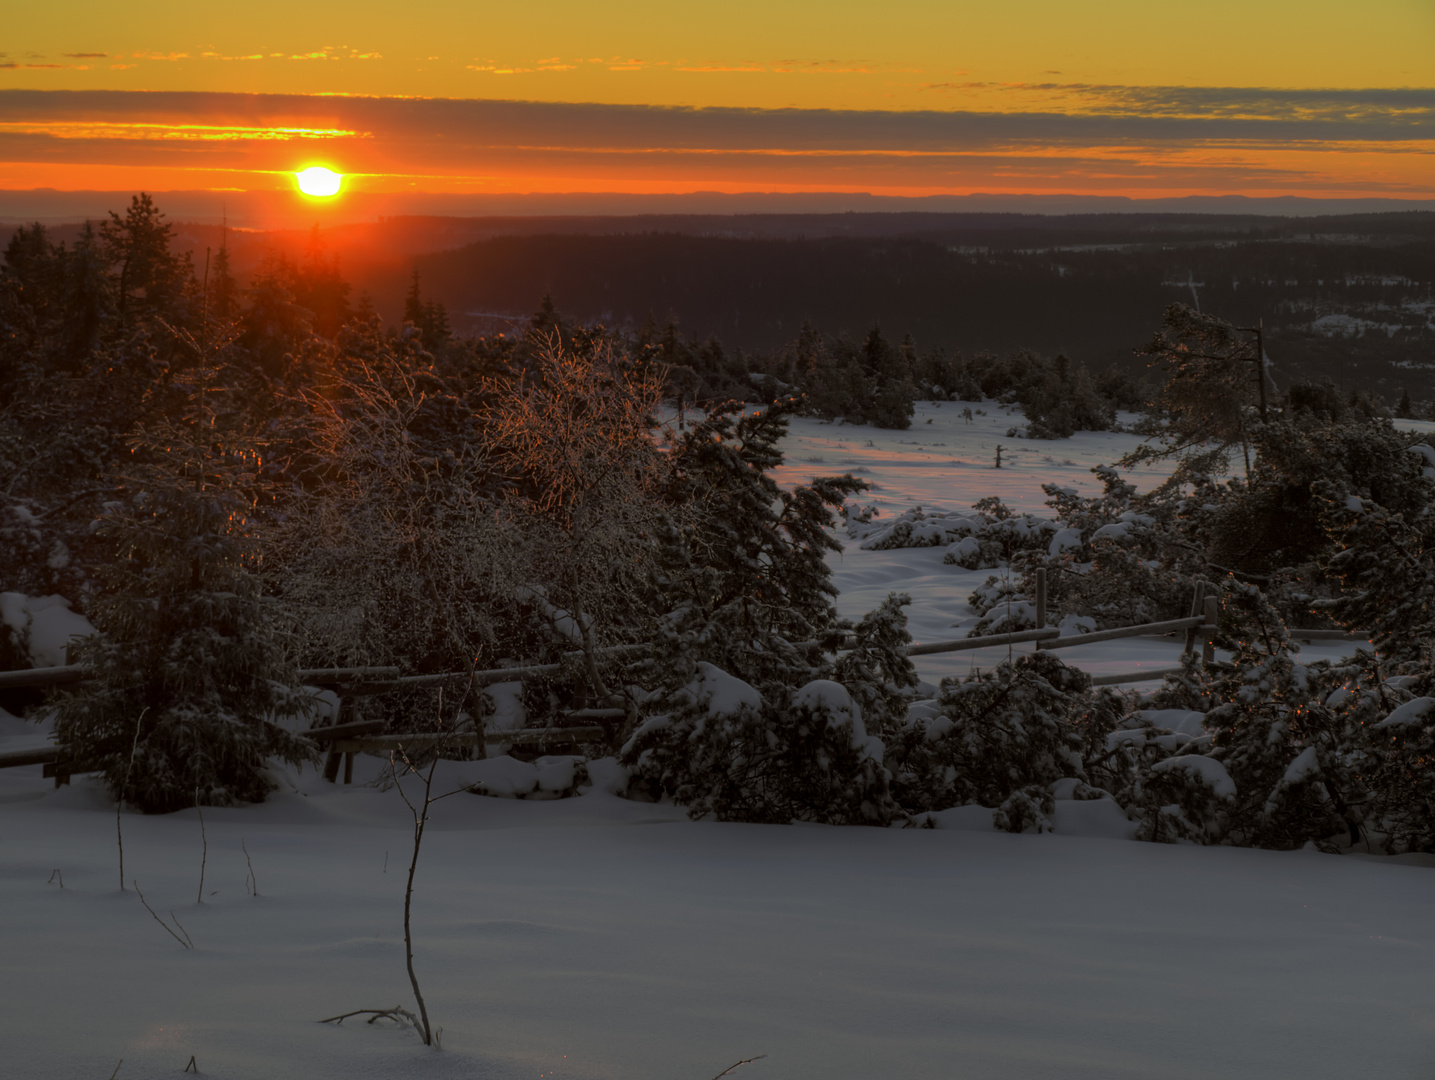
(722, 749)
(919, 528)
(999, 738)
(1280, 767)
(1118, 559)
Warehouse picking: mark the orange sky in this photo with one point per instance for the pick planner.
(1135, 97)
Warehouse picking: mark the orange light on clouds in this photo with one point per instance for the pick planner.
(318, 182)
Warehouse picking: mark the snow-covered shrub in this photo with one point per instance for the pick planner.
(919, 528)
(1123, 747)
(859, 520)
(1279, 769)
(1119, 559)
(1006, 618)
(999, 738)
(1189, 798)
(993, 592)
(995, 542)
(722, 749)
(1401, 782)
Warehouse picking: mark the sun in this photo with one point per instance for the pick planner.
(318, 181)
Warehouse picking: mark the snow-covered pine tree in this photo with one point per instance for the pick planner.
(188, 666)
(1120, 558)
(745, 718)
(743, 580)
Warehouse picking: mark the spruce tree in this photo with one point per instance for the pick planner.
(150, 279)
(188, 666)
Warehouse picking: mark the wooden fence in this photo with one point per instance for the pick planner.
(347, 737)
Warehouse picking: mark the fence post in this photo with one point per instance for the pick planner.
(1198, 607)
(346, 712)
(1040, 600)
(1208, 650)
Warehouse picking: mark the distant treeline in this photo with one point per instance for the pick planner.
(1033, 289)
(872, 380)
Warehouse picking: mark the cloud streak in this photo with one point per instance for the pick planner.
(1081, 135)
(1373, 106)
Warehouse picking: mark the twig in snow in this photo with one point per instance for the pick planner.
(168, 928)
(120, 802)
(117, 1070)
(56, 874)
(182, 930)
(203, 839)
(193, 1066)
(420, 820)
(398, 1012)
(251, 878)
(738, 1064)
(420, 814)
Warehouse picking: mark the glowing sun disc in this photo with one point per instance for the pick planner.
(318, 181)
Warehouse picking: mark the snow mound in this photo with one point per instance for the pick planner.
(720, 694)
(506, 699)
(823, 696)
(1185, 721)
(1413, 712)
(556, 777)
(45, 625)
(1065, 540)
(1207, 770)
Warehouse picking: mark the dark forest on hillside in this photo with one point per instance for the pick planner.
(1087, 293)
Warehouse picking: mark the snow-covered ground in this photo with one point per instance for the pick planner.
(598, 938)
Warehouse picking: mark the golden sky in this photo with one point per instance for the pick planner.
(919, 97)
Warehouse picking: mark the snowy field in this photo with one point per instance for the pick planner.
(598, 938)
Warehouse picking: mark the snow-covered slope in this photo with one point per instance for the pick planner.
(594, 937)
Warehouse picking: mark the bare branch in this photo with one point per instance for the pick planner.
(737, 1064)
(252, 876)
(168, 929)
(398, 1012)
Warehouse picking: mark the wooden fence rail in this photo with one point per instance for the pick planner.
(346, 738)
(361, 681)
